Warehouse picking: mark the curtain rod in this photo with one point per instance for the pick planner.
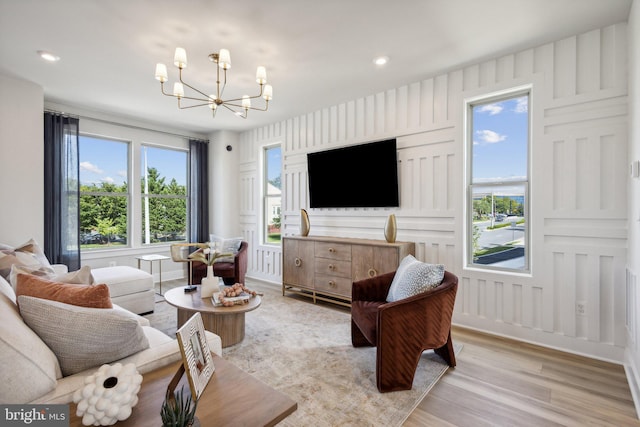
(125, 125)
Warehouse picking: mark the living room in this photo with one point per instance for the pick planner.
(584, 194)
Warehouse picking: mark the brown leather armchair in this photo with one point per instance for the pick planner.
(231, 272)
(403, 329)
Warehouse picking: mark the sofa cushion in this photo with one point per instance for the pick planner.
(82, 337)
(29, 254)
(96, 296)
(82, 276)
(123, 280)
(28, 368)
(414, 277)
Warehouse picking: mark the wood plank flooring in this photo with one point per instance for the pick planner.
(501, 382)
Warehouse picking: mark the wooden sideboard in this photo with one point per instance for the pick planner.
(323, 268)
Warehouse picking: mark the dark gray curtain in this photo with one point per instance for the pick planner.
(61, 190)
(198, 191)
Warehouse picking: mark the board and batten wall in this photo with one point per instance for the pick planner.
(578, 192)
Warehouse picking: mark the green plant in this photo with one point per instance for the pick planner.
(178, 410)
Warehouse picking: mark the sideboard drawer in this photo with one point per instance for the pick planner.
(329, 250)
(333, 285)
(333, 267)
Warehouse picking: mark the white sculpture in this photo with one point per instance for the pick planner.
(108, 395)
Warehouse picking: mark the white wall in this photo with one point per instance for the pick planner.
(632, 358)
(578, 191)
(22, 168)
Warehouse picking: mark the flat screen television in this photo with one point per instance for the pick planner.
(358, 176)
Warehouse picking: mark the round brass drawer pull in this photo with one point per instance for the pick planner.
(297, 262)
(332, 267)
(332, 283)
(372, 272)
(332, 250)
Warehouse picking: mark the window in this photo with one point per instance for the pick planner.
(272, 194)
(498, 183)
(104, 192)
(164, 195)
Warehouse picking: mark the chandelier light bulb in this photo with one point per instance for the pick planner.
(161, 73)
(180, 58)
(178, 89)
(261, 75)
(224, 59)
(246, 102)
(267, 94)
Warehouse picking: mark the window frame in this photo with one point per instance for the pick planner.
(265, 215)
(469, 104)
(127, 194)
(142, 146)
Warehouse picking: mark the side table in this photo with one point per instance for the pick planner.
(151, 258)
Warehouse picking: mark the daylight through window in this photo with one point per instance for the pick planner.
(498, 203)
(164, 195)
(104, 193)
(272, 194)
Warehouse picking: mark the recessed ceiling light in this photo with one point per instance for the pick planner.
(48, 56)
(381, 60)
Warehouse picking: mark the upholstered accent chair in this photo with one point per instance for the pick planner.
(403, 329)
(231, 270)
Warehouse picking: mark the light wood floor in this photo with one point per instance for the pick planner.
(500, 382)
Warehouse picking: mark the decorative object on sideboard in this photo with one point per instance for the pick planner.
(390, 229)
(305, 226)
(108, 395)
(222, 59)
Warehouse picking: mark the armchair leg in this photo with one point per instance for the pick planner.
(396, 368)
(446, 352)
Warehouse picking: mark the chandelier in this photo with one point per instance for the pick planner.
(239, 106)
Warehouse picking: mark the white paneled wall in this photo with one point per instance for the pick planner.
(578, 187)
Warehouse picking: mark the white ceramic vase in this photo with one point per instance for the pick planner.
(209, 284)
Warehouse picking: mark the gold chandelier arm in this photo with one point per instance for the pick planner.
(191, 87)
(243, 115)
(251, 97)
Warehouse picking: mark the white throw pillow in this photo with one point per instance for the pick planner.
(82, 276)
(82, 337)
(414, 277)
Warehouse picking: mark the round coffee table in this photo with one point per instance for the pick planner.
(226, 322)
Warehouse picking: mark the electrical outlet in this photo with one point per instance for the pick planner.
(581, 308)
(112, 263)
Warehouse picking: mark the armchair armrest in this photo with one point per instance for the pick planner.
(372, 289)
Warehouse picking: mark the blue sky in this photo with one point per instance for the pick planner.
(500, 137)
(274, 162)
(103, 160)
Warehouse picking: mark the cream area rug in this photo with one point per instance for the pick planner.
(304, 350)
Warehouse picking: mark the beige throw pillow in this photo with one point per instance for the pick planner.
(29, 254)
(81, 337)
(82, 276)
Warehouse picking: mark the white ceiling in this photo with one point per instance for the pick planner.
(318, 53)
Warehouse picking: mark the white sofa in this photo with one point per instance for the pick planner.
(30, 372)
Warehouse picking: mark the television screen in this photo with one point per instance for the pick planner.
(357, 176)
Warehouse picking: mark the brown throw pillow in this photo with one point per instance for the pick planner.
(94, 296)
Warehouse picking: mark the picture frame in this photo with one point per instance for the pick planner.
(196, 356)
